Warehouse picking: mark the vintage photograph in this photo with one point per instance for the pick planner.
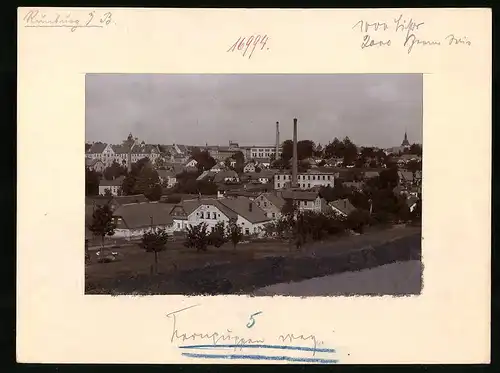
(253, 184)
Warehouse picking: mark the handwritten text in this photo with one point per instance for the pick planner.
(71, 20)
(247, 45)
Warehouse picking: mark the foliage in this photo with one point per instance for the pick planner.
(234, 233)
(416, 149)
(217, 237)
(91, 182)
(345, 149)
(258, 169)
(153, 193)
(155, 240)
(357, 220)
(128, 185)
(114, 171)
(107, 192)
(413, 166)
(204, 160)
(197, 237)
(102, 224)
(305, 149)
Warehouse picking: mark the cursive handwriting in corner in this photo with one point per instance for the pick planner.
(73, 21)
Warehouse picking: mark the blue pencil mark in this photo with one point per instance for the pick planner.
(274, 347)
(252, 320)
(261, 357)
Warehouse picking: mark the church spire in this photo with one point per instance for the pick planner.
(405, 141)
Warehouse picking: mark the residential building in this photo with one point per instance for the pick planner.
(218, 167)
(220, 153)
(249, 167)
(228, 176)
(211, 211)
(167, 178)
(305, 180)
(114, 186)
(263, 177)
(306, 201)
(342, 207)
(191, 163)
(271, 203)
(95, 165)
(133, 220)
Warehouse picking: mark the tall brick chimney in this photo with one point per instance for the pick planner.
(295, 155)
(277, 140)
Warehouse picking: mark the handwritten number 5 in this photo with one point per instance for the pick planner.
(251, 322)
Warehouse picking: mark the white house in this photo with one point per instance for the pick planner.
(249, 167)
(167, 177)
(133, 220)
(211, 211)
(191, 163)
(306, 180)
(114, 186)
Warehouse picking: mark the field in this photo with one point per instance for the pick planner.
(252, 265)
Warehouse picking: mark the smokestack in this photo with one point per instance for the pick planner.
(277, 140)
(295, 157)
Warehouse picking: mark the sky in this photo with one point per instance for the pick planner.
(372, 109)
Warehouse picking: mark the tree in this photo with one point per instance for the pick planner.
(114, 171)
(128, 185)
(153, 193)
(154, 241)
(239, 157)
(305, 149)
(416, 149)
(107, 192)
(160, 163)
(146, 180)
(217, 237)
(197, 237)
(204, 160)
(357, 220)
(258, 169)
(413, 166)
(350, 151)
(91, 183)
(102, 224)
(388, 179)
(234, 233)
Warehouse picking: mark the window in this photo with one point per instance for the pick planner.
(201, 215)
(323, 177)
(308, 177)
(279, 185)
(247, 231)
(308, 185)
(277, 177)
(274, 215)
(214, 214)
(328, 177)
(314, 177)
(265, 204)
(178, 225)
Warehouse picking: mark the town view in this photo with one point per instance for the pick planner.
(236, 217)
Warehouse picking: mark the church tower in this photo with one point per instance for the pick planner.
(405, 142)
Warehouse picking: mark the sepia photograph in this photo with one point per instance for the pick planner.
(253, 184)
